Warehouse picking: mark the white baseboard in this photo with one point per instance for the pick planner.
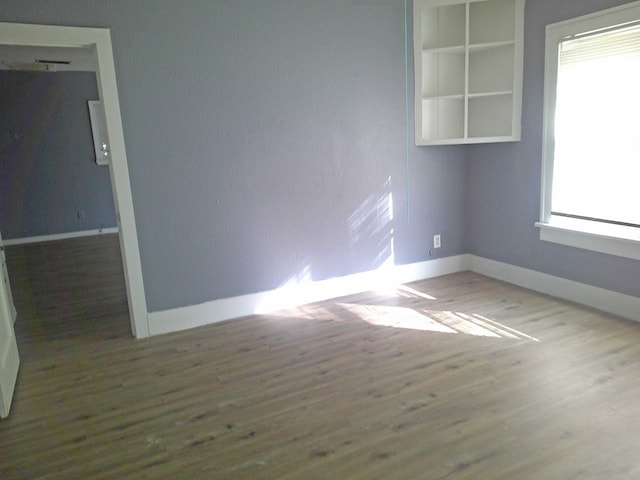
(58, 236)
(619, 304)
(183, 318)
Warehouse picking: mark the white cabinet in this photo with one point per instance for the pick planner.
(468, 70)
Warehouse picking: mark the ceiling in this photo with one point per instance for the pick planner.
(47, 59)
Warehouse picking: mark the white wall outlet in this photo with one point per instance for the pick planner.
(436, 241)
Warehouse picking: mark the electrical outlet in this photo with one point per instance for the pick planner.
(436, 241)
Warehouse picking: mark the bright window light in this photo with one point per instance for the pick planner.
(591, 147)
(596, 164)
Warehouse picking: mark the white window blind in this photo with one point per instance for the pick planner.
(616, 41)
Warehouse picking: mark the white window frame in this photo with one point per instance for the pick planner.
(596, 236)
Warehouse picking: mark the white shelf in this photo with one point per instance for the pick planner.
(452, 50)
(490, 94)
(468, 69)
(489, 45)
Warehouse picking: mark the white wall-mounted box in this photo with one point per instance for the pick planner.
(99, 131)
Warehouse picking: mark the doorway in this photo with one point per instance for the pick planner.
(56, 201)
(99, 40)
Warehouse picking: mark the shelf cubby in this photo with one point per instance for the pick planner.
(443, 26)
(492, 21)
(490, 116)
(444, 119)
(487, 67)
(443, 72)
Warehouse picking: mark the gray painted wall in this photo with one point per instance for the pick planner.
(47, 162)
(264, 138)
(261, 137)
(504, 180)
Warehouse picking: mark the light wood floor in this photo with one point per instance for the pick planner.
(459, 377)
(69, 289)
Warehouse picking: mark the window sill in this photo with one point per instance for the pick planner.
(598, 237)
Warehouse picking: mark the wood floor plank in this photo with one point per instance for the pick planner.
(459, 377)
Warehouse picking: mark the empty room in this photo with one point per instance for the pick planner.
(298, 239)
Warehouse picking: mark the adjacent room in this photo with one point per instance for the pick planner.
(337, 239)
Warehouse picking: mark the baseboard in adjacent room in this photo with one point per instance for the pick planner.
(58, 236)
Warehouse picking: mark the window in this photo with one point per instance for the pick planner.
(591, 164)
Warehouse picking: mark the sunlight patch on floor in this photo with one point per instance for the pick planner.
(433, 321)
(405, 291)
(397, 317)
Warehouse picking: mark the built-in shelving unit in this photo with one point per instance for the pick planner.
(468, 70)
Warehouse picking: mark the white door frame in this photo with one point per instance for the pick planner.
(100, 40)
